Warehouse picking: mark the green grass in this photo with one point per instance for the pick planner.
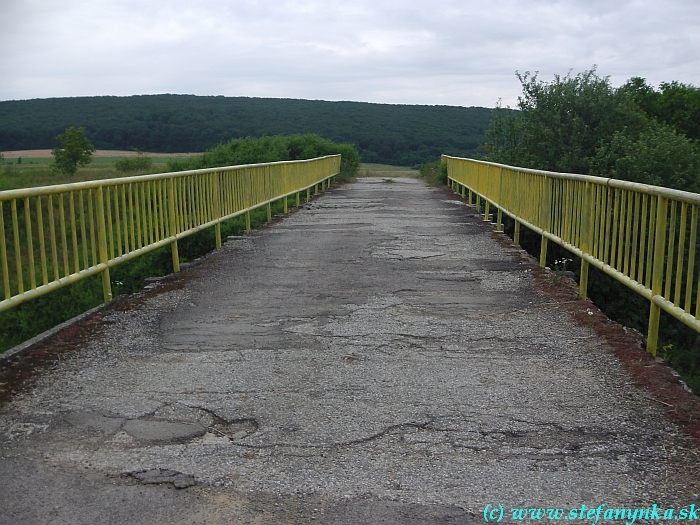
(38, 172)
(384, 170)
(34, 172)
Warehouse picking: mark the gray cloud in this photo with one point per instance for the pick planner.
(410, 51)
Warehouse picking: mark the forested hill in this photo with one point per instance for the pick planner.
(386, 133)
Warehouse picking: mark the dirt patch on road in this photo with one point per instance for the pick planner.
(660, 380)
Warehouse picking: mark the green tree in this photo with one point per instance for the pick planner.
(675, 104)
(76, 150)
(658, 155)
(561, 124)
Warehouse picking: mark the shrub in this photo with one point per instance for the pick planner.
(130, 165)
(251, 150)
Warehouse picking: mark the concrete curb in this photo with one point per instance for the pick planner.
(24, 348)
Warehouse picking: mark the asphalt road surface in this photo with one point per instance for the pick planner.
(375, 357)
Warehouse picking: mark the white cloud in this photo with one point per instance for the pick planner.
(410, 51)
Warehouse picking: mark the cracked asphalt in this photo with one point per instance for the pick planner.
(375, 357)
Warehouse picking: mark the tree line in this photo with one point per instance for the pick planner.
(406, 135)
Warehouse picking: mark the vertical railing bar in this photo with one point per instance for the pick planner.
(18, 253)
(73, 232)
(691, 257)
(606, 226)
(597, 221)
(117, 222)
(131, 217)
(615, 228)
(30, 242)
(150, 210)
(198, 200)
(635, 237)
(91, 220)
(137, 214)
(3, 256)
(109, 232)
(681, 255)
(653, 205)
(629, 221)
(102, 241)
(642, 240)
(576, 227)
(192, 205)
(180, 205)
(64, 235)
(83, 229)
(669, 251)
(52, 235)
(125, 219)
(42, 241)
(144, 213)
(161, 209)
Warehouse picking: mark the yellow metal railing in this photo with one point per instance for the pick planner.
(53, 236)
(645, 237)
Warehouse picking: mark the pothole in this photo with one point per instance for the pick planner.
(160, 476)
(163, 432)
(170, 424)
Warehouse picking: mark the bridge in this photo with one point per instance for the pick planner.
(380, 355)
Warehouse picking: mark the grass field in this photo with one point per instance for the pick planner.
(385, 170)
(35, 168)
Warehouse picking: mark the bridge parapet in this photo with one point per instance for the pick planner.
(53, 236)
(645, 237)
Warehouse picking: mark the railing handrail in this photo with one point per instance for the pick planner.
(644, 236)
(60, 234)
(649, 189)
(21, 193)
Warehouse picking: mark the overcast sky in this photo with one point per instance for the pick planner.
(454, 52)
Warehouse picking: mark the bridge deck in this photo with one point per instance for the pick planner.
(375, 356)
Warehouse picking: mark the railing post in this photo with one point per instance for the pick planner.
(499, 221)
(486, 210)
(463, 187)
(247, 222)
(298, 199)
(657, 275)
(172, 222)
(102, 242)
(543, 252)
(286, 206)
(470, 198)
(516, 233)
(308, 194)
